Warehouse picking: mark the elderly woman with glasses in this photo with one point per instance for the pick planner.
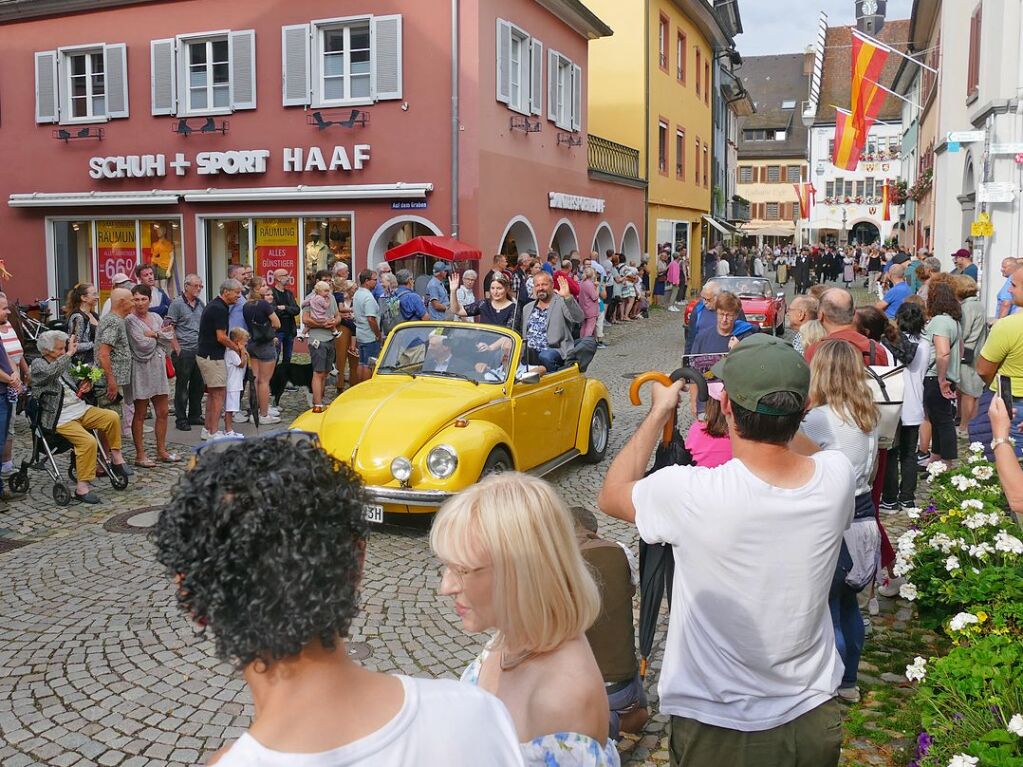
(71, 417)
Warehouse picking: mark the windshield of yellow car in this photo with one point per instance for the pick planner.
(470, 352)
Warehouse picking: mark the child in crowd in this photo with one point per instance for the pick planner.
(708, 439)
(319, 304)
(236, 369)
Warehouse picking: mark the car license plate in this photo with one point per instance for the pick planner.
(373, 512)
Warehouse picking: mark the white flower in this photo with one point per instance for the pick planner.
(1015, 725)
(916, 671)
(962, 484)
(976, 520)
(961, 621)
(971, 503)
(1008, 543)
(981, 550)
(943, 543)
(975, 458)
(901, 566)
(964, 760)
(976, 447)
(912, 512)
(936, 469)
(994, 518)
(907, 591)
(983, 472)
(952, 564)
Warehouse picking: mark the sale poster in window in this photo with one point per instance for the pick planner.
(158, 249)
(117, 252)
(276, 247)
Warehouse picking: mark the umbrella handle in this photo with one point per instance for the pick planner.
(695, 377)
(637, 384)
(642, 668)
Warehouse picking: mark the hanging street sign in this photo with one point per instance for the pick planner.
(996, 191)
(964, 136)
(1015, 147)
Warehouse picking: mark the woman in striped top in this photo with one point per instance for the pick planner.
(16, 354)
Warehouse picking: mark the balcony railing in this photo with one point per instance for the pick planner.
(613, 159)
(738, 211)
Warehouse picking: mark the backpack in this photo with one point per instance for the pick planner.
(887, 384)
(390, 313)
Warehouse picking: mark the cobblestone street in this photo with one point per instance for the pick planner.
(97, 666)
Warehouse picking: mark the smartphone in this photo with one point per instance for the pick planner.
(1005, 392)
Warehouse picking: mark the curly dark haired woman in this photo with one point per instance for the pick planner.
(274, 575)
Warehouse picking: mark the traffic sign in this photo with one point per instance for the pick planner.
(964, 136)
(996, 191)
(1011, 148)
(982, 227)
(953, 146)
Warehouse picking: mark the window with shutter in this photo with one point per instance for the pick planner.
(973, 63)
(829, 189)
(536, 77)
(662, 41)
(706, 165)
(792, 173)
(680, 154)
(577, 97)
(504, 55)
(696, 162)
(243, 69)
(699, 59)
(706, 82)
(772, 211)
(564, 98)
(163, 75)
(773, 174)
(350, 61)
(745, 175)
(662, 148)
(680, 55)
(83, 84)
(515, 68)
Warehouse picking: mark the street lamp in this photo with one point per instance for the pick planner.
(845, 239)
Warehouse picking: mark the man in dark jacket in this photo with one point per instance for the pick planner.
(287, 309)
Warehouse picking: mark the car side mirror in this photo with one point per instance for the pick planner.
(373, 361)
(529, 378)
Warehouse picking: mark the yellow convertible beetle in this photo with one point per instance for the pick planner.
(449, 403)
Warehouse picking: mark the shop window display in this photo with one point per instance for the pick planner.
(326, 241)
(228, 242)
(73, 256)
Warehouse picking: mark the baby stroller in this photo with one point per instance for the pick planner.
(47, 444)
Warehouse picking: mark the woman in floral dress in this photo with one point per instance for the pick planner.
(149, 342)
(513, 566)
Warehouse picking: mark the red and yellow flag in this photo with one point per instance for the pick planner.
(868, 60)
(804, 193)
(849, 142)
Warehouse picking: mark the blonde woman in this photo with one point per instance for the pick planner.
(811, 332)
(843, 417)
(512, 566)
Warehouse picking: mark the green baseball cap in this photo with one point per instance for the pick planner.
(760, 365)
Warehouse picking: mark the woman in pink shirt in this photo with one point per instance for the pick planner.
(674, 278)
(589, 302)
(708, 440)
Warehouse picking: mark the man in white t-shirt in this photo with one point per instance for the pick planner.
(750, 664)
(246, 551)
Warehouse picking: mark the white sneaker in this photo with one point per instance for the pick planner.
(673, 308)
(147, 429)
(269, 419)
(234, 435)
(241, 417)
(204, 434)
(273, 410)
(218, 435)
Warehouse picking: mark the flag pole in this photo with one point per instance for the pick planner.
(879, 44)
(892, 93)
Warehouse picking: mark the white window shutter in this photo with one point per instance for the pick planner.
(295, 64)
(552, 85)
(577, 97)
(242, 50)
(115, 68)
(47, 109)
(163, 76)
(536, 77)
(385, 45)
(503, 61)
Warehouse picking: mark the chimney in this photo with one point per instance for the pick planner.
(808, 55)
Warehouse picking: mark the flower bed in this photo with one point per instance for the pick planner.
(963, 564)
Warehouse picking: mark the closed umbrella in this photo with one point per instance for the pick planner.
(656, 562)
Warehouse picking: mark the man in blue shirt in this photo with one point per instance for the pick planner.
(382, 268)
(1006, 306)
(410, 304)
(437, 293)
(242, 273)
(897, 293)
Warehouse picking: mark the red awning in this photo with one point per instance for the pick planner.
(442, 248)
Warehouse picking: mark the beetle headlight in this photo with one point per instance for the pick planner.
(401, 469)
(442, 461)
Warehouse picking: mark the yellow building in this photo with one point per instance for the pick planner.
(651, 86)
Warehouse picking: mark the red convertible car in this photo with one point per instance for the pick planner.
(761, 303)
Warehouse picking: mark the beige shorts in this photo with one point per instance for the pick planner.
(214, 372)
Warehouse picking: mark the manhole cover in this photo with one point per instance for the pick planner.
(136, 521)
(358, 650)
(10, 544)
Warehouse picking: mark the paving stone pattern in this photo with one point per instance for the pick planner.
(98, 667)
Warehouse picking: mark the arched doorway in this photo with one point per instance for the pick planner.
(864, 233)
(518, 237)
(603, 240)
(394, 232)
(564, 240)
(631, 248)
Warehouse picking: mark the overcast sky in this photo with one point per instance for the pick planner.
(788, 26)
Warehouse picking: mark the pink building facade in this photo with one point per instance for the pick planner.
(193, 135)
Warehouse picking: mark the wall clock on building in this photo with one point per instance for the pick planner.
(869, 7)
